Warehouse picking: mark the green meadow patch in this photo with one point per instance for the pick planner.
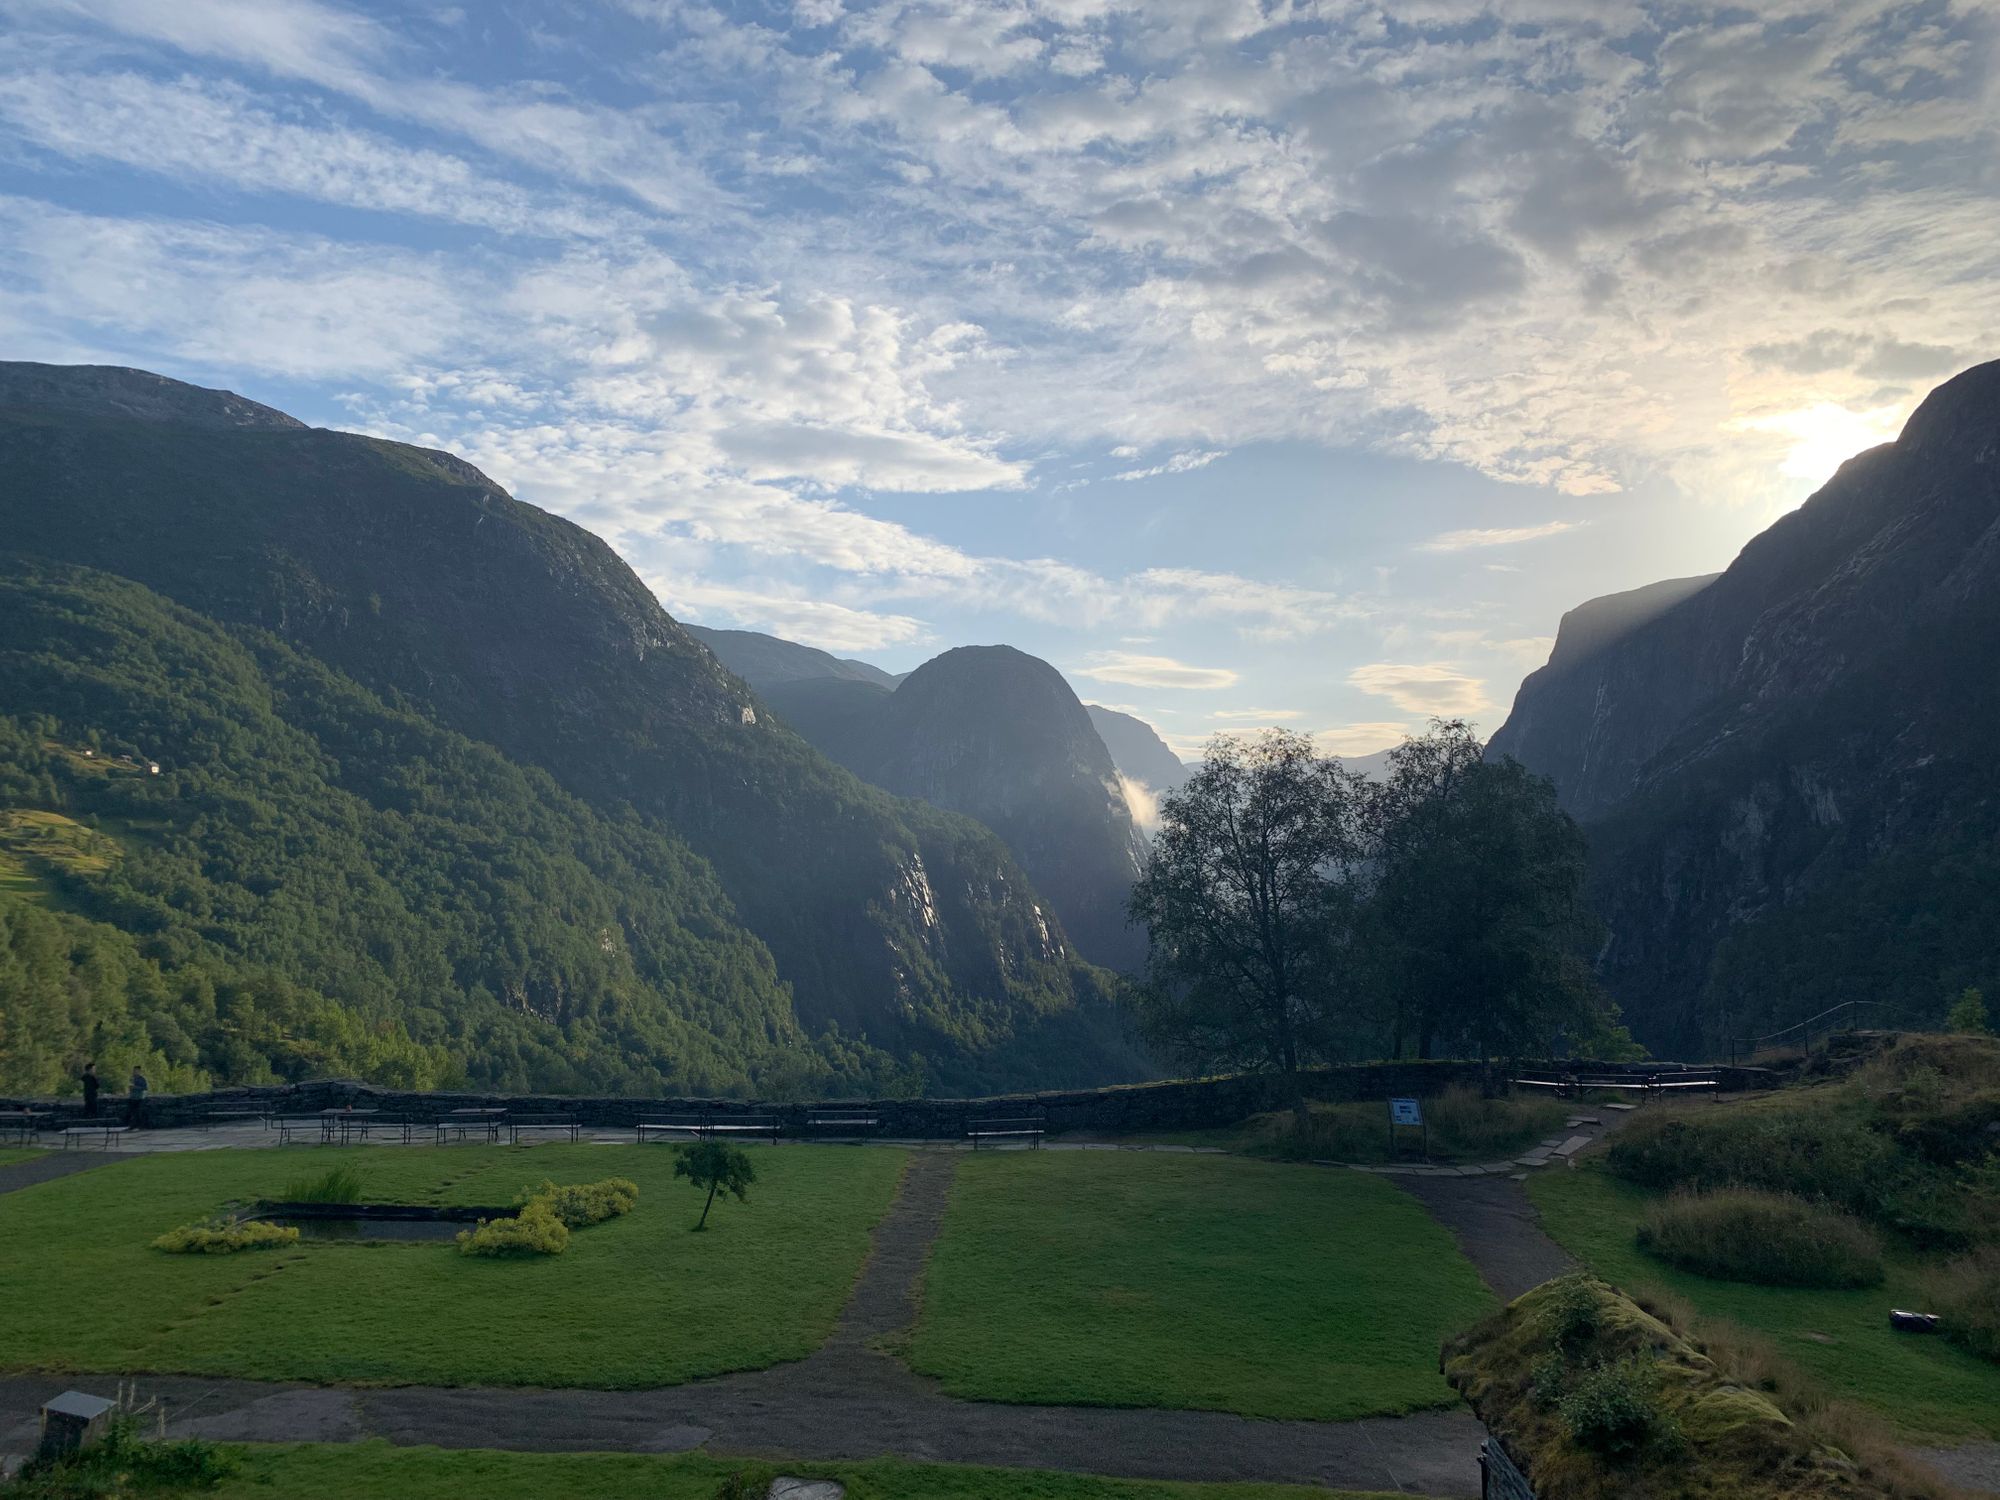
(1841, 1339)
(1208, 1282)
(637, 1301)
(377, 1471)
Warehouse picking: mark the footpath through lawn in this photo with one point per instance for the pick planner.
(1923, 1385)
(637, 1301)
(1207, 1282)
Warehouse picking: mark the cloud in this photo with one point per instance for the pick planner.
(1180, 463)
(1423, 688)
(1497, 536)
(1141, 801)
(811, 622)
(1154, 671)
(1257, 715)
(1361, 739)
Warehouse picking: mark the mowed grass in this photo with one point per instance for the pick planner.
(377, 1471)
(11, 1154)
(637, 1301)
(1841, 1339)
(1210, 1282)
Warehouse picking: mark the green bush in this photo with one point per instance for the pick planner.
(225, 1237)
(1772, 1239)
(337, 1185)
(1967, 1015)
(120, 1463)
(1966, 1297)
(1570, 1315)
(582, 1203)
(534, 1231)
(1610, 1409)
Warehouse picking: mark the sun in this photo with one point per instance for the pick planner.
(1825, 435)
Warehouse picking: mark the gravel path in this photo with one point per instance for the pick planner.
(847, 1400)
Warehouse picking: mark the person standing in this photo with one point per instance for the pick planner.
(135, 1099)
(90, 1090)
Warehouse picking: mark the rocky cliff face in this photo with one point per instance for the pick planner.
(998, 735)
(1138, 751)
(416, 575)
(1769, 765)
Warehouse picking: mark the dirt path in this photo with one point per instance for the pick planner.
(847, 1400)
(48, 1165)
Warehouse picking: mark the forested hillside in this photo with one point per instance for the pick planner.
(315, 882)
(600, 769)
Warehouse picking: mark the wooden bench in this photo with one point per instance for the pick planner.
(105, 1131)
(843, 1122)
(1029, 1128)
(520, 1125)
(1709, 1079)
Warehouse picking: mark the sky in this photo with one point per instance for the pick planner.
(1254, 361)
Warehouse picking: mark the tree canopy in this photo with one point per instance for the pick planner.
(1300, 914)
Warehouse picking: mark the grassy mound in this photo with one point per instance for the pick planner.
(1773, 1239)
(1904, 1142)
(1464, 1126)
(1598, 1399)
(1966, 1296)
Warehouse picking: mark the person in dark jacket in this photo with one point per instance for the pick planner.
(90, 1091)
(135, 1099)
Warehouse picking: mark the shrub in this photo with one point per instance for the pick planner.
(1610, 1409)
(338, 1185)
(1570, 1314)
(534, 1231)
(1966, 1296)
(582, 1203)
(225, 1237)
(1773, 1239)
(1967, 1015)
(119, 1463)
(1463, 1123)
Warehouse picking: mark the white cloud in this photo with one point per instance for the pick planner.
(1361, 739)
(1153, 671)
(1257, 715)
(1495, 536)
(812, 622)
(1179, 463)
(1423, 688)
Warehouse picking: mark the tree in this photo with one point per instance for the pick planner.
(1478, 922)
(717, 1166)
(1248, 897)
(1967, 1015)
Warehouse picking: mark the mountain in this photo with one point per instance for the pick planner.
(1787, 772)
(765, 660)
(1137, 750)
(410, 579)
(998, 735)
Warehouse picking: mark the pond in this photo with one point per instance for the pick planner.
(372, 1221)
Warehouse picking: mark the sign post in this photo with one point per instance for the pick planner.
(1408, 1112)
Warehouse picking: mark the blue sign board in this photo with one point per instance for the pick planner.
(1405, 1112)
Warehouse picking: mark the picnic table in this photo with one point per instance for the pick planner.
(709, 1124)
(104, 1130)
(843, 1121)
(463, 1121)
(520, 1125)
(23, 1123)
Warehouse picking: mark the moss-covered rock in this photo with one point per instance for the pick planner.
(1706, 1438)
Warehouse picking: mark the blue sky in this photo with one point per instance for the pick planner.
(1252, 360)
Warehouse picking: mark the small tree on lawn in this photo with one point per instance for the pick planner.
(1967, 1015)
(719, 1167)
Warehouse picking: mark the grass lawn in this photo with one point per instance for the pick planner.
(377, 1471)
(637, 1301)
(1128, 1279)
(1842, 1340)
(11, 1154)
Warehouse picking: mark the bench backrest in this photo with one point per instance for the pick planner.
(1025, 1122)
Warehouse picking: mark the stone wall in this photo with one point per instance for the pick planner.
(1195, 1104)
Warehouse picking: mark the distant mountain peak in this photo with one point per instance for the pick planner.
(766, 660)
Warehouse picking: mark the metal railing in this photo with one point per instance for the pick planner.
(1750, 1046)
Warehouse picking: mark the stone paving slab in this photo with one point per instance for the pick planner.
(1573, 1145)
